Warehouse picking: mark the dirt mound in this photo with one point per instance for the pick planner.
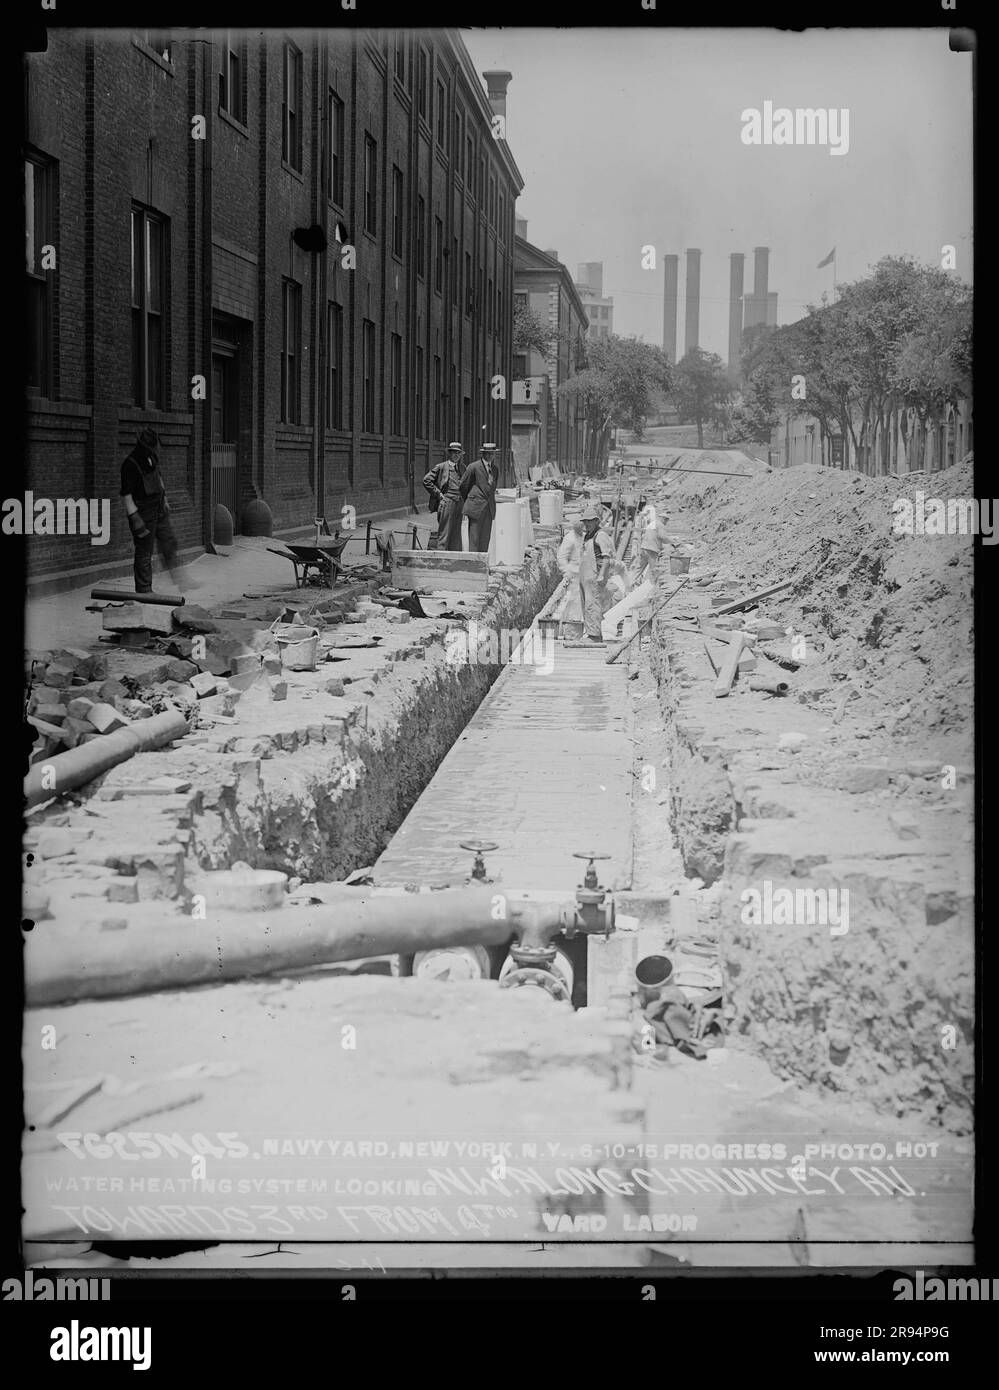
(891, 614)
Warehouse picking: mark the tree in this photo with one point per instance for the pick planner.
(530, 332)
(701, 389)
(618, 386)
(931, 366)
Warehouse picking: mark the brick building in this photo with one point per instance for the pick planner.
(546, 425)
(329, 376)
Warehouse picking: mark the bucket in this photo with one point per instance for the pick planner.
(245, 889)
(652, 975)
(679, 564)
(298, 645)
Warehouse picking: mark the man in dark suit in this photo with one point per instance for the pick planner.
(478, 488)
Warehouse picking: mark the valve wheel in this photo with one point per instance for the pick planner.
(478, 846)
(588, 854)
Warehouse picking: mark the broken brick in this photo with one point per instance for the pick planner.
(105, 718)
(204, 683)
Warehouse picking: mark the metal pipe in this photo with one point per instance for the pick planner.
(53, 776)
(773, 687)
(121, 596)
(175, 953)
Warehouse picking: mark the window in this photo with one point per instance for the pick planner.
(520, 300)
(469, 160)
(291, 351)
(397, 212)
(489, 306)
(368, 366)
(422, 90)
(38, 206)
(455, 425)
(519, 366)
(468, 283)
(456, 145)
(232, 78)
(395, 423)
(441, 115)
(502, 216)
(400, 57)
(499, 309)
(491, 213)
(291, 108)
(453, 277)
(148, 300)
(421, 236)
(438, 258)
(482, 179)
(160, 42)
(334, 381)
(438, 400)
(419, 393)
(334, 173)
(370, 185)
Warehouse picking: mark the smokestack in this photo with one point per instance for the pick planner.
(497, 82)
(521, 227)
(736, 288)
(761, 273)
(772, 309)
(693, 309)
(669, 306)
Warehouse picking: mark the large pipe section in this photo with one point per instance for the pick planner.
(692, 311)
(52, 776)
(175, 953)
(670, 280)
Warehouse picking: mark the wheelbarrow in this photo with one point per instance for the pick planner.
(315, 564)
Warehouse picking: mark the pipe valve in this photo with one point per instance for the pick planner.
(594, 910)
(478, 847)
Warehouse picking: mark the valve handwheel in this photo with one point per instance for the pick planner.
(590, 879)
(478, 848)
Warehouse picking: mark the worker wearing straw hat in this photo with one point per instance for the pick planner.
(594, 571)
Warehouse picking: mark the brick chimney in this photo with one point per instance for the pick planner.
(497, 82)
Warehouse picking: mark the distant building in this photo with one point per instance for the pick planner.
(599, 307)
(545, 425)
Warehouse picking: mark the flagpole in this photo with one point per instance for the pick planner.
(834, 275)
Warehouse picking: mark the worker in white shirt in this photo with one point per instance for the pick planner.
(654, 539)
(594, 572)
(569, 555)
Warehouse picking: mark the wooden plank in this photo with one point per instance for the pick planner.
(751, 598)
(429, 571)
(730, 666)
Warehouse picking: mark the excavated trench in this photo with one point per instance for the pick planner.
(329, 810)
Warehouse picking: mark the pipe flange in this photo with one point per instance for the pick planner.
(533, 957)
(542, 979)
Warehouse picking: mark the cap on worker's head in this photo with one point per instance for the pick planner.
(590, 513)
(489, 448)
(453, 445)
(149, 439)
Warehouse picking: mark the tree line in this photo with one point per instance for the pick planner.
(888, 356)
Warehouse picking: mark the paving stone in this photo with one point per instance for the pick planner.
(105, 718)
(863, 778)
(159, 871)
(124, 888)
(54, 843)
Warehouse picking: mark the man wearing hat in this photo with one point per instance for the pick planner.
(148, 512)
(478, 488)
(594, 570)
(445, 499)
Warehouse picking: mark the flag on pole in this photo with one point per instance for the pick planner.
(831, 257)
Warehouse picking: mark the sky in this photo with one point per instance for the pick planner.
(628, 138)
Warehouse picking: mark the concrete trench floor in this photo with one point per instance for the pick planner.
(296, 1069)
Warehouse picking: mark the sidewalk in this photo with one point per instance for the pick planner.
(61, 620)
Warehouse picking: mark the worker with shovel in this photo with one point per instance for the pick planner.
(148, 513)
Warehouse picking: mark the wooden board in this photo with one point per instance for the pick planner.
(429, 571)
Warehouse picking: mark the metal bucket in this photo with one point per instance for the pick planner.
(298, 645)
(679, 564)
(652, 975)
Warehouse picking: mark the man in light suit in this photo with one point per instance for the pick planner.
(478, 488)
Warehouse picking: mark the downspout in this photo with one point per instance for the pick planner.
(322, 282)
(207, 509)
